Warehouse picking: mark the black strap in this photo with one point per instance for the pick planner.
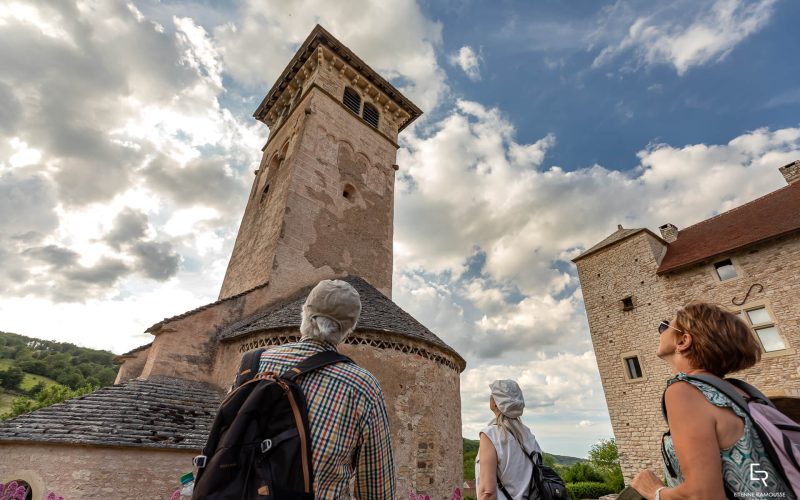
(533, 480)
(751, 391)
(248, 367)
(315, 362)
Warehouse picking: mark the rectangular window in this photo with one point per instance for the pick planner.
(764, 326)
(633, 367)
(725, 269)
(627, 303)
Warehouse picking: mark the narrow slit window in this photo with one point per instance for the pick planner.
(633, 367)
(371, 115)
(264, 194)
(627, 303)
(352, 100)
(725, 269)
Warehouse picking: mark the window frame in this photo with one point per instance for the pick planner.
(743, 311)
(364, 114)
(354, 94)
(736, 273)
(624, 357)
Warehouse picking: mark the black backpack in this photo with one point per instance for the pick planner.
(259, 445)
(545, 483)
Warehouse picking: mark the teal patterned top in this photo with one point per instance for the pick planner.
(737, 461)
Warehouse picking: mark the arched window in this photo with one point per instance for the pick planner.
(371, 114)
(352, 100)
(264, 194)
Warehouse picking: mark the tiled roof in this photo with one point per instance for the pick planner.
(378, 312)
(155, 413)
(775, 214)
(163, 322)
(134, 351)
(620, 234)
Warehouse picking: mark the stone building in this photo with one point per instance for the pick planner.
(747, 259)
(321, 206)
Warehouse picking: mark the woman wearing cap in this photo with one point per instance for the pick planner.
(712, 445)
(502, 463)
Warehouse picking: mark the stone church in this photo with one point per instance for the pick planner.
(747, 259)
(321, 206)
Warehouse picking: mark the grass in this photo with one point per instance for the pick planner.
(5, 401)
(5, 364)
(31, 380)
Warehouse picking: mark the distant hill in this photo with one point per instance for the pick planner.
(27, 365)
(471, 450)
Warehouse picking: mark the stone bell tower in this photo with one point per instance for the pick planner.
(322, 200)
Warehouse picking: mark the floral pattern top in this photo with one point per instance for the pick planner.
(737, 461)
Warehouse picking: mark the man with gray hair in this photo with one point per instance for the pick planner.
(350, 439)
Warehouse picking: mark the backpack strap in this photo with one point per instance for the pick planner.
(248, 367)
(315, 362)
(726, 387)
(751, 391)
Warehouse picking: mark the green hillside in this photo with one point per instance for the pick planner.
(29, 365)
(471, 450)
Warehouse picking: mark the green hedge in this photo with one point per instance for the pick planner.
(577, 491)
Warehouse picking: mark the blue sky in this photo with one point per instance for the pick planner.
(127, 148)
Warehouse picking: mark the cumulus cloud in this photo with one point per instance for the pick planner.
(394, 39)
(483, 242)
(468, 61)
(683, 34)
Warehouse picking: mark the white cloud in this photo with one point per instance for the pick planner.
(683, 34)
(394, 38)
(468, 61)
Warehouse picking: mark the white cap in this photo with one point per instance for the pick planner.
(336, 300)
(508, 397)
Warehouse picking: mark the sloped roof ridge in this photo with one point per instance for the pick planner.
(378, 313)
(164, 321)
(736, 208)
(162, 412)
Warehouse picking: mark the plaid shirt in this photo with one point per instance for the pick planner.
(349, 424)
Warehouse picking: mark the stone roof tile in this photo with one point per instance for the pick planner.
(378, 312)
(157, 413)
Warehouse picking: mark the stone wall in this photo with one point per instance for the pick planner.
(628, 268)
(422, 396)
(87, 472)
(329, 204)
(131, 365)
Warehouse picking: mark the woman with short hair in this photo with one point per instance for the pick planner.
(504, 444)
(712, 444)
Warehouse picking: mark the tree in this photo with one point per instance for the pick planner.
(11, 378)
(604, 455)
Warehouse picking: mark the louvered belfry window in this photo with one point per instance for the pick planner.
(371, 114)
(352, 100)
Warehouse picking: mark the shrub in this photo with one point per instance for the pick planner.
(581, 472)
(577, 491)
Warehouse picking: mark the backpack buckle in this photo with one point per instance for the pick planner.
(266, 445)
(200, 461)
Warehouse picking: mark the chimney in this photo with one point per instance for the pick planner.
(669, 232)
(791, 172)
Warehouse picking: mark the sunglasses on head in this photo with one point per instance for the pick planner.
(664, 325)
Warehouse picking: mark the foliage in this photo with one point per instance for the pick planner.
(471, 451)
(581, 472)
(578, 491)
(11, 378)
(48, 396)
(66, 364)
(604, 456)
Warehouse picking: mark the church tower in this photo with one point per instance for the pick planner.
(322, 199)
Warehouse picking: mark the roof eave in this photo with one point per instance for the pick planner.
(684, 265)
(321, 35)
(595, 250)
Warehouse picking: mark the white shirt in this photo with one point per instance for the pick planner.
(514, 468)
